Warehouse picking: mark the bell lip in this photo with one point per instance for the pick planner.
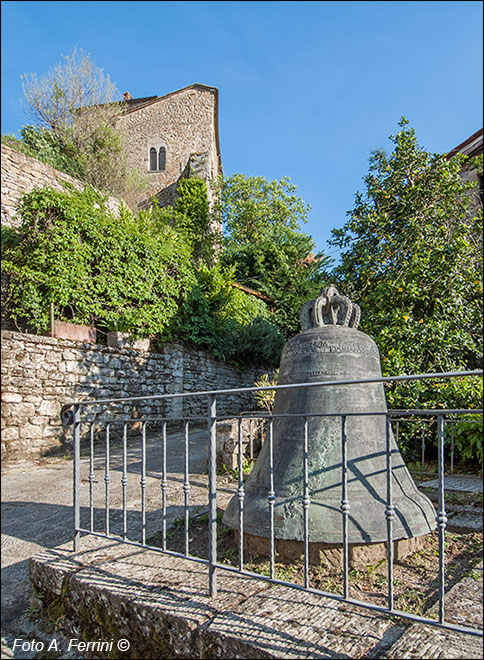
(336, 538)
(422, 522)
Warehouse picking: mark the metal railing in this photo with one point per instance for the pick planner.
(73, 412)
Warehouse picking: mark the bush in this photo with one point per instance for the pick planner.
(128, 273)
(96, 268)
(221, 318)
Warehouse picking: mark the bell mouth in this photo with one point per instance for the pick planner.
(367, 520)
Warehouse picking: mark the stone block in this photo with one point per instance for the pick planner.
(10, 433)
(29, 432)
(330, 556)
(109, 591)
(11, 397)
(125, 340)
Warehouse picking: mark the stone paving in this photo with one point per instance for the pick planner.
(37, 515)
(463, 483)
(37, 509)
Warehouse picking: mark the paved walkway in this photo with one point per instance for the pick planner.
(37, 509)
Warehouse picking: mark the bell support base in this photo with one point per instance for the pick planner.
(329, 556)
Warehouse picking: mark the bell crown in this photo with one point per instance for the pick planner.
(330, 308)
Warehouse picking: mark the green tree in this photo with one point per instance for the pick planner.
(126, 273)
(264, 242)
(233, 325)
(412, 259)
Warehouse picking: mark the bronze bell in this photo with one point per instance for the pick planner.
(330, 348)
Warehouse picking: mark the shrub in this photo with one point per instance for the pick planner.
(96, 268)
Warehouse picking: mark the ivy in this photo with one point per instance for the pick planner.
(96, 268)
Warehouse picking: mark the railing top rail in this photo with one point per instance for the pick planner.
(381, 379)
(355, 381)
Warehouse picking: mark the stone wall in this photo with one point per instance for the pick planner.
(40, 374)
(185, 124)
(22, 173)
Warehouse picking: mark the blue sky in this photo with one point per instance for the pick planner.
(307, 89)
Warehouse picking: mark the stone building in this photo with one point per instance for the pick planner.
(471, 147)
(169, 136)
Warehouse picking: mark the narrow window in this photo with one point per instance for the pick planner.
(162, 158)
(153, 159)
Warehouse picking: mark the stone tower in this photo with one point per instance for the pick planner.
(169, 136)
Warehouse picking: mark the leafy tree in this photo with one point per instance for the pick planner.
(220, 317)
(74, 108)
(412, 259)
(264, 242)
(250, 205)
(123, 273)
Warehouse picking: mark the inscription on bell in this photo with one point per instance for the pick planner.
(323, 346)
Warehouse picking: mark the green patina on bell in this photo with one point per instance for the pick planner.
(330, 348)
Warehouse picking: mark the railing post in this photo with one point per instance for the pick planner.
(306, 502)
(124, 481)
(77, 476)
(91, 477)
(107, 476)
(241, 494)
(186, 489)
(143, 483)
(164, 485)
(441, 516)
(212, 494)
(389, 510)
(345, 505)
(271, 496)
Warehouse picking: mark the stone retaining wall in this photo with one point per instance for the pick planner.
(40, 374)
(22, 173)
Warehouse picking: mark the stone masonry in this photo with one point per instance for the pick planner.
(41, 374)
(185, 124)
(22, 173)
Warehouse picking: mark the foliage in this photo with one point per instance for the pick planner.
(222, 318)
(249, 205)
(135, 274)
(265, 399)
(18, 145)
(263, 241)
(46, 146)
(74, 109)
(192, 217)
(96, 268)
(412, 260)
(468, 439)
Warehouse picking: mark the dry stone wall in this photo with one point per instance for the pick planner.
(41, 374)
(22, 173)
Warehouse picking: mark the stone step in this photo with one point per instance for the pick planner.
(160, 604)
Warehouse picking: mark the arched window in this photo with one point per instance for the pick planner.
(162, 158)
(153, 159)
